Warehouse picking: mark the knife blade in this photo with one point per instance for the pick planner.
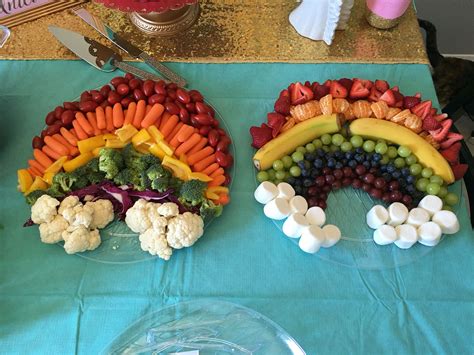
(96, 54)
(128, 47)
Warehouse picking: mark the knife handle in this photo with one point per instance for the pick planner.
(127, 68)
(165, 71)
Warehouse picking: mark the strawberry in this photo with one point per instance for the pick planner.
(422, 109)
(337, 90)
(398, 99)
(381, 85)
(459, 170)
(418, 95)
(388, 97)
(396, 88)
(327, 83)
(307, 84)
(260, 135)
(452, 153)
(282, 105)
(284, 93)
(430, 124)
(441, 117)
(276, 122)
(359, 90)
(441, 133)
(433, 111)
(300, 94)
(320, 91)
(410, 101)
(451, 138)
(374, 94)
(367, 83)
(347, 83)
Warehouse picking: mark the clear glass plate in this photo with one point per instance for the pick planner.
(208, 326)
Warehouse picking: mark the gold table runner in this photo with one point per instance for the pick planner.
(233, 31)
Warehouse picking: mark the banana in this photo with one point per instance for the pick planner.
(299, 134)
(425, 152)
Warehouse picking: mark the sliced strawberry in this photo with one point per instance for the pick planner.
(441, 117)
(388, 97)
(396, 88)
(276, 122)
(337, 90)
(410, 101)
(422, 109)
(300, 94)
(320, 91)
(282, 105)
(398, 99)
(284, 93)
(459, 170)
(433, 111)
(452, 153)
(418, 95)
(347, 83)
(260, 135)
(381, 85)
(441, 133)
(359, 90)
(374, 94)
(451, 138)
(327, 83)
(307, 84)
(367, 83)
(430, 124)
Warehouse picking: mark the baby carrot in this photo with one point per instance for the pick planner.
(224, 198)
(117, 115)
(100, 116)
(148, 109)
(35, 172)
(56, 145)
(80, 133)
(170, 124)
(33, 163)
(109, 119)
(217, 181)
(50, 153)
(202, 143)
(186, 146)
(85, 125)
(200, 155)
(139, 113)
(132, 108)
(72, 149)
(203, 164)
(73, 132)
(210, 169)
(153, 115)
(174, 132)
(185, 133)
(174, 141)
(42, 158)
(164, 118)
(72, 140)
(91, 117)
(218, 172)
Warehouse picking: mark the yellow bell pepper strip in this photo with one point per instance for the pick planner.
(56, 166)
(110, 136)
(25, 180)
(126, 132)
(96, 151)
(140, 137)
(48, 177)
(38, 184)
(155, 134)
(77, 162)
(218, 189)
(115, 143)
(199, 176)
(179, 169)
(143, 148)
(157, 151)
(89, 144)
(166, 148)
(211, 195)
(184, 159)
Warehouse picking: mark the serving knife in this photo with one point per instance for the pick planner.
(122, 43)
(96, 54)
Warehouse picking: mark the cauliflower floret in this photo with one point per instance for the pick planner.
(79, 239)
(70, 201)
(103, 213)
(44, 209)
(168, 209)
(158, 222)
(184, 230)
(51, 232)
(79, 215)
(155, 243)
(137, 217)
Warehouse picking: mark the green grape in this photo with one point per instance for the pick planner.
(369, 146)
(451, 199)
(381, 148)
(263, 176)
(337, 139)
(325, 148)
(301, 149)
(346, 146)
(411, 159)
(437, 179)
(278, 165)
(443, 191)
(317, 143)
(271, 174)
(287, 175)
(392, 152)
(432, 188)
(385, 159)
(427, 172)
(421, 184)
(415, 169)
(326, 139)
(295, 171)
(381, 141)
(297, 156)
(447, 208)
(277, 181)
(280, 175)
(333, 148)
(310, 147)
(357, 141)
(399, 163)
(287, 161)
(404, 151)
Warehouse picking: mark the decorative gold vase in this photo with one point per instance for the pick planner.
(168, 23)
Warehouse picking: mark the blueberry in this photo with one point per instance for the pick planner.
(315, 173)
(405, 171)
(331, 163)
(318, 163)
(410, 188)
(374, 163)
(383, 168)
(368, 157)
(366, 164)
(359, 151)
(304, 164)
(387, 177)
(396, 174)
(410, 179)
(344, 162)
(307, 182)
(339, 165)
(298, 190)
(310, 156)
(291, 180)
(349, 155)
(305, 173)
(298, 182)
(390, 168)
(402, 183)
(338, 154)
(320, 152)
(376, 157)
(352, 163)
(359, 158)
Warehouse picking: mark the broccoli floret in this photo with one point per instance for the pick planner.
(95, 177)
(127, 176)
(33, 196)
(91, 166)
(209, 210)
(133, 159)
(192, 192)
(150, 160)
(64, 181)
(157, 171)
(161, 184)
(55, 191)
(110, 162)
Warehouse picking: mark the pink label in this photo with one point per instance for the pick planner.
(14, 7)
(388, 9)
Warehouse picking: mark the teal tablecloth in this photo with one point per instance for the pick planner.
(51, 302)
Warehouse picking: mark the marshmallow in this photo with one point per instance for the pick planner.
(332, 235)
(277, 208)
(384, 235)
(316, 216)
(397, 213)
(294, 225)
(285, 190)
(265, 192)
(431, 204)
(418, 216)
(311, 239)
(376, 216)
(298, 204)
(407, 236)
(429, 233)
(447, 220)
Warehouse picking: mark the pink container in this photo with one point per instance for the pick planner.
(386, 13)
